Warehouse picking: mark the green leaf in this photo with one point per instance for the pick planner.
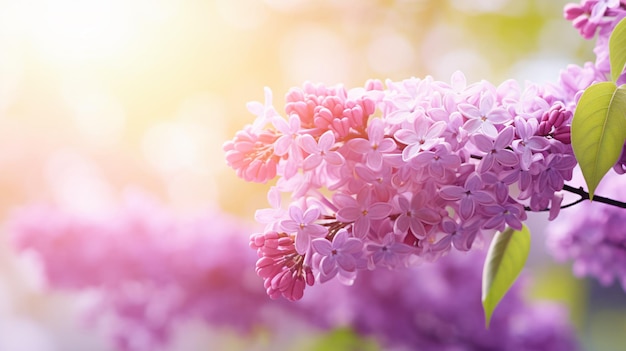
(505, 259)
(617, 49)
(599, 130)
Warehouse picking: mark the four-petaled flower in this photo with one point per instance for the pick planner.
(469, 196)
(500, 214)
(303, 225)
(422, 136)
(375, 146)
(360, 211)
(264, 111)
(413, 215)
(339, 257)
(461, 236)
(558, 168)
(496, 150)
(438, 161)
(485, 117)
(320, 151)
(528, 143)
(271, 216)
(389, 253)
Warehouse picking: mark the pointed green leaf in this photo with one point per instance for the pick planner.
(505, 259)
(617, 49)
(599, 130)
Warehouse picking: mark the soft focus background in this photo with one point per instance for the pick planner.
(97, 96)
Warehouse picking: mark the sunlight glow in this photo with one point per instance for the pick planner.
(79, 29)
(98, 116)
(172, 146)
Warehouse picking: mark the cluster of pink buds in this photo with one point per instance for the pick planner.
(281, 266)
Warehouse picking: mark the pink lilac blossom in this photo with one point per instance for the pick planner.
(439, 170)
(438, 308)
(592, 234)
(438, 165)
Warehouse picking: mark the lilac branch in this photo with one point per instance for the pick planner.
(578, 191)
(584, 196)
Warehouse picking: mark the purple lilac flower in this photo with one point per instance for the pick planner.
(496, 150)
(510, 214)
(461, 236)
(389, 253)
(414, 215)
(361, 211)
(440, 162)
(378, 181)
(469, 196)
(529, 145)
(338, 258)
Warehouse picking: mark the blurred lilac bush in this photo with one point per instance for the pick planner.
(437, 307)
(154, 269)
(592, 234)
(151, 267)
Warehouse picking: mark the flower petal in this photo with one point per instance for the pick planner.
(379, 210)
(322, 246)
(482, 142)
(346, 262)
(308, 144)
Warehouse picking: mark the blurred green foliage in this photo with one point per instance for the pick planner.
(343, 339)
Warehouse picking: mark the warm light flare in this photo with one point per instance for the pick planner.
(74, 30)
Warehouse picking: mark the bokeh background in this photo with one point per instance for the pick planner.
(97, 96)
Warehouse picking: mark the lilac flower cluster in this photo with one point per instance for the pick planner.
(598, 17)
(404, 313)
(407, 171)
(592, 235)
(384, 177)
(150, 268)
